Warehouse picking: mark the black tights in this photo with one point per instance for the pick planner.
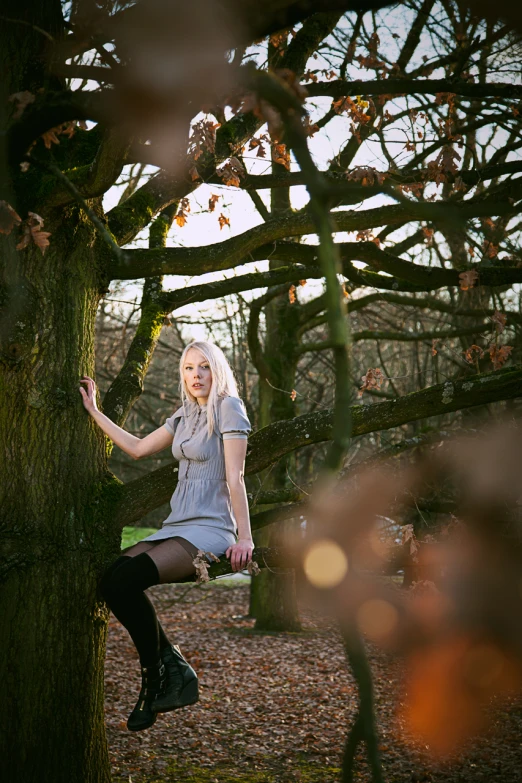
(124, 583)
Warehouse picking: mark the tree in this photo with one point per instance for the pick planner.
(62, 509)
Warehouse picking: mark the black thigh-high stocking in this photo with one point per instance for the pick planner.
(163, 639)
(123, 586)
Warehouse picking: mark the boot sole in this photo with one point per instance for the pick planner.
(191, 693)
(142, 728)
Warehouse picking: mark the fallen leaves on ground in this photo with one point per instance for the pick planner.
(274, 707)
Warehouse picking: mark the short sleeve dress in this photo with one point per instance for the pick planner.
(201, 509)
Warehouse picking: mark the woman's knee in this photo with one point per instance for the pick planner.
(134, 574)
(107, 577)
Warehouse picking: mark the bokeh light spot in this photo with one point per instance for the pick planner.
(483, 665)
(377, 619)
(325, 564)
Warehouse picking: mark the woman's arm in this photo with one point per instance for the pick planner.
(130, 444)
(235, 451)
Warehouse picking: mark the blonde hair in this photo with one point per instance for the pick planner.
(223, 381)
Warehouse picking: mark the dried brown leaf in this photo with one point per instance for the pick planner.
(223, 221)
(201, 564)
(468, 279)
(372, 379)
(32, 230)
(253, 568)
(499, 355)
(499, 319)
(232, 173)
(21, 99)
(409, 537)
(473, 353)
(9, 218)
(212, 202)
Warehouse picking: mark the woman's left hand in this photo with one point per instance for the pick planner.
(240, 554)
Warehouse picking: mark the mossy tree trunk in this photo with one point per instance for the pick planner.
(273, 600)
(55, 532)
(53, 520)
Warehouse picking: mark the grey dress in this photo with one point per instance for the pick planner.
(201, 509)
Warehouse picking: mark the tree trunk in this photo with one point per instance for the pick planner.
(55, 516)
(273, 600)
(54, 509)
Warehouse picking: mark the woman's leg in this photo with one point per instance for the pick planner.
(165, 673)
(173, 558)
(138, 549)
(123, 585)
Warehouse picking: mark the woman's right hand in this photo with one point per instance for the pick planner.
(88, 394)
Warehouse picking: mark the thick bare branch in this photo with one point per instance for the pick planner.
(360, 192)
(429, 303)
(274, 441)
(50, 110)
(337, 89)
(127, 219)
(255, 244)
(200, 293)
(128, 384)
(96, 178)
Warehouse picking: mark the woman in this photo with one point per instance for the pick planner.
(208, 435)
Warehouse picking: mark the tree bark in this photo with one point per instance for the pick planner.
(55, 536)
(273, 598)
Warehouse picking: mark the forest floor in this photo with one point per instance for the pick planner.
(275, 708)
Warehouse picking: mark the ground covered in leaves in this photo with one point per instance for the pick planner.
(274, 707)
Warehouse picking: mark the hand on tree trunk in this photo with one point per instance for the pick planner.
(88, 394)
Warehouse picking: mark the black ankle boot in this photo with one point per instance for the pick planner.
(152, 685)
(182, 682)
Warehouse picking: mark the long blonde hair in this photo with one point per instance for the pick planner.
(223, 381)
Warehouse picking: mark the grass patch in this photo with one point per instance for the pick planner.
(132, 535)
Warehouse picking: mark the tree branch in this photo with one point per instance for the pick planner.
(360, 192)
(429, 303)
(254, 244)
(274, 441)
(128, 384)
(95, 179)
(404, 337)
(339, 88)
(126, 220)
(200, 293)
(50, 110)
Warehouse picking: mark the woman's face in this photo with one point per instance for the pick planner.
(197, 375)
